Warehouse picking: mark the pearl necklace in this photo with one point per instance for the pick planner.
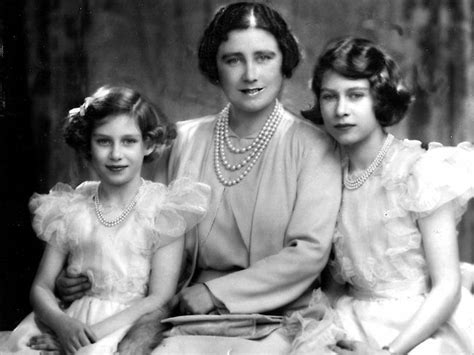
(355, 183)
(115, 222)
(255, 149)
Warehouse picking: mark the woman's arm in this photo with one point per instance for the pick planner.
(72, 334)
(164, 276)
(441, 249)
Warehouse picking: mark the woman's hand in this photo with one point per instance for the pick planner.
(73, 335)
(196, 299)
(71, 286)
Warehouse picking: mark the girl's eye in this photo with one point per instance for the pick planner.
(102, 141)
(129, 141)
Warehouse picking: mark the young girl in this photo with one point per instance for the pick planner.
(395, 245)
(123, 232)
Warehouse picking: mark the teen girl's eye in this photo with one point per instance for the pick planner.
(327, 96)
(356, 95)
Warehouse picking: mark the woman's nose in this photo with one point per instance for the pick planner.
(250, 74)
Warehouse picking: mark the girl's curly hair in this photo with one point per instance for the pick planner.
(115, 100)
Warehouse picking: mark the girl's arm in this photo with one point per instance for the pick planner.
(72, 334)
(166, 263)
(441, 249)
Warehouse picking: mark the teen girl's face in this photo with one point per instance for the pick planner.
(118, 149)
(347, 108)
(249, 66)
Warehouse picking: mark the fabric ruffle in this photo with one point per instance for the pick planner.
(49, 211)
(316, 328)
(166, 213)
(171, 211)
(426, 180)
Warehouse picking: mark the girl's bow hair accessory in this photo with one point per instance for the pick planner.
(81, 110)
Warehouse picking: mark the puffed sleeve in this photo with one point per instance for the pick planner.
(440, 176)
(173, 210)
(50, 214)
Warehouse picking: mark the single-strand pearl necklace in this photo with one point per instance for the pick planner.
(255, 149)
(355, 183)
(116, 221)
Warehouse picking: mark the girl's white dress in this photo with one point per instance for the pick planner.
(378, 252)
(116, 259)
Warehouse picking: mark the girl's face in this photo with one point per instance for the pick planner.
(117, 150)
(347, 108)
(249, 65)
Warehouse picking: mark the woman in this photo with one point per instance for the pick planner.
(275, 183)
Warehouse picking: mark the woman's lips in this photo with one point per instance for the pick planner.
(251, 92)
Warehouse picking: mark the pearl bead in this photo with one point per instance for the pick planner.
(115, 222)
(354, 183)
(255, 148)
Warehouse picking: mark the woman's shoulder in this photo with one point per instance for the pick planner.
(195, 123)
(306, 134)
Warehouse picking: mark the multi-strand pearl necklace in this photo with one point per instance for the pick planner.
(116, 221)
(255, 149)
(355, 183)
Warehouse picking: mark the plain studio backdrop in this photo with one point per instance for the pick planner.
(54, 53)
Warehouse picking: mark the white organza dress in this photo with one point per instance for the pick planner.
(116, 259)
(378, 250)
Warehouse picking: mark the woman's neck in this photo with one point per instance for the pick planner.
(245, 124)
(362, 154)
(120, 195)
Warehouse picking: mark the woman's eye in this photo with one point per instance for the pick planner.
(263, 58)
(232, 61)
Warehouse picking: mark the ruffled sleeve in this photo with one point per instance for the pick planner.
(50, 213)
(173, 210)
(440, 176)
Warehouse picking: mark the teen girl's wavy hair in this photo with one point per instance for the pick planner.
(360, 58)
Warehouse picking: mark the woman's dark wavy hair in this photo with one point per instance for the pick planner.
(360, 58)
(110, 100)
(237, 16)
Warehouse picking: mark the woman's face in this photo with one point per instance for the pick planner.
(347, 108)
(117, 150)
(249, 66)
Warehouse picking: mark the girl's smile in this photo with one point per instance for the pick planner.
(118, 149)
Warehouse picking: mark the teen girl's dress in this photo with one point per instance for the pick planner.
(378, 252)
(117, 260)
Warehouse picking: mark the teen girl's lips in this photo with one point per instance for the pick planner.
(251, 92)
(344, 126)
(116, 168)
